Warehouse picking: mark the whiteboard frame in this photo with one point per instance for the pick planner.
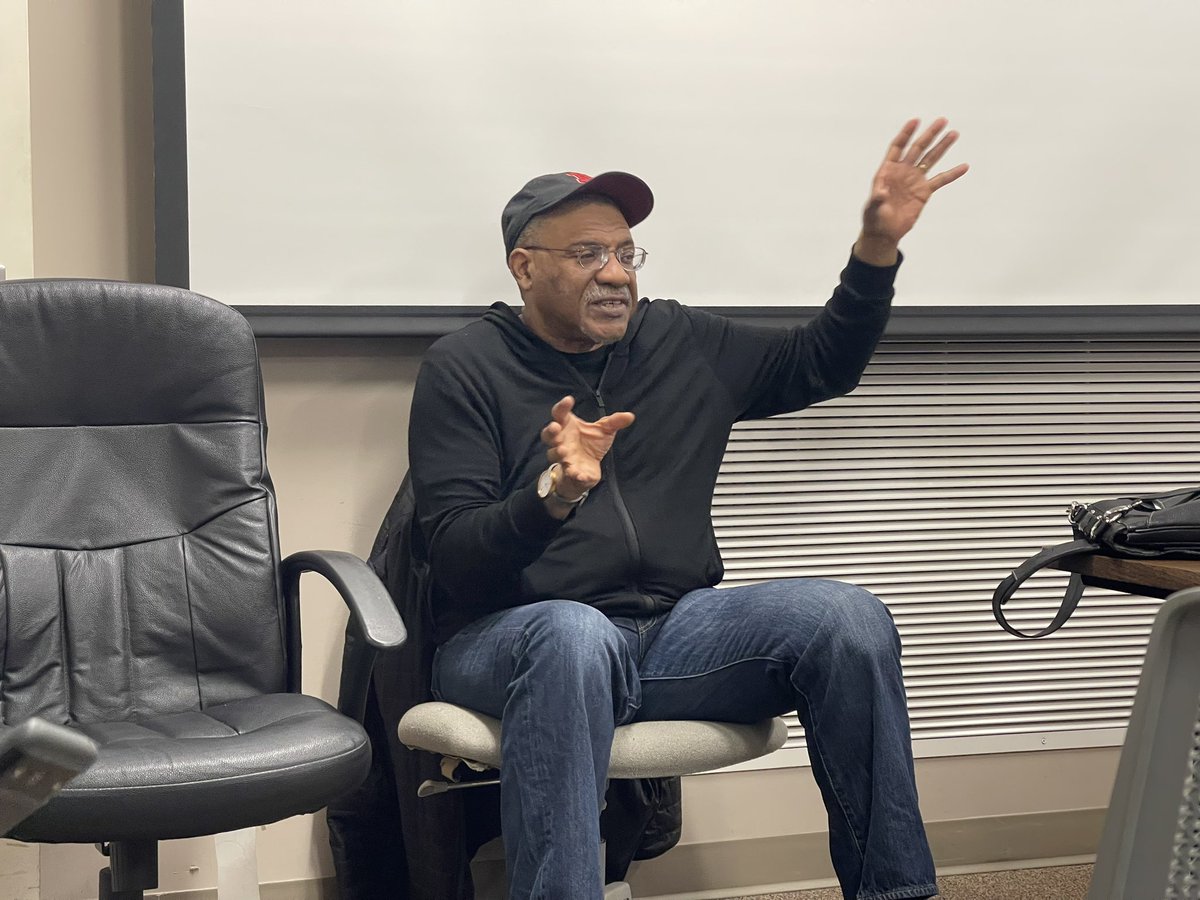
(172, 259)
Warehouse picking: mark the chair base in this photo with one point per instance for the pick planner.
(131, 871)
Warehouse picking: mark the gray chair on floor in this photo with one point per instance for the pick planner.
(144, 601)
(640, 750)
(1151, 842)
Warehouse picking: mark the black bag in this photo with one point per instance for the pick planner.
(1163, 527)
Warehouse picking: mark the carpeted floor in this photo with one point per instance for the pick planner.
(1057, 883)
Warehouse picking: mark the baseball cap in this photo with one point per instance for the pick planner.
(542, 194)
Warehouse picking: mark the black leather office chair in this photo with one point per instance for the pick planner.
(143, 598)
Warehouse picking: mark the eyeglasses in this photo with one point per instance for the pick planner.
(593, 257)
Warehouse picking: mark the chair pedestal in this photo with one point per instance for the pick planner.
(131, 871)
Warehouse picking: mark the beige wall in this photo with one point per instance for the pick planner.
(16, 187)
(338, 414)
(93, 162)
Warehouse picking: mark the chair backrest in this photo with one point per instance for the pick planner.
(138, 540)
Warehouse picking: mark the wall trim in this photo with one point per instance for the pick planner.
(299, 889)
(801, 861)
(906, 323)
(925, 322)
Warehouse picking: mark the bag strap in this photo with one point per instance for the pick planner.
(1033, 564)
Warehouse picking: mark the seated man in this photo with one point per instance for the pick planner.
(572, 543)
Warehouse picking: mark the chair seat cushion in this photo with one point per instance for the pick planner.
(231, 766)
(640, 750)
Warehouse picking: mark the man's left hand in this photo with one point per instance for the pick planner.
(902, 186)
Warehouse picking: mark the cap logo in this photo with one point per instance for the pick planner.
(579, 176)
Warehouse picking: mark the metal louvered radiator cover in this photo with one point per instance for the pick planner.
(952, 462)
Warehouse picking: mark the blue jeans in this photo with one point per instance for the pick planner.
(561, 675)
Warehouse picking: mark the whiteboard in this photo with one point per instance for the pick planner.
(360, 153)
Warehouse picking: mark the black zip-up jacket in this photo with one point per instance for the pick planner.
(644, 536)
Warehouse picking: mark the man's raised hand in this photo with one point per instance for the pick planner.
(902, 186)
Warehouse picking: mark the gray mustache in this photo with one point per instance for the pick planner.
(622, 294)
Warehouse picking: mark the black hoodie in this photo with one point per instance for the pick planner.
(644, 536)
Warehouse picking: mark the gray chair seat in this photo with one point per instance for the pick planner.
(640, 750)
(656, 749)
(238, 764)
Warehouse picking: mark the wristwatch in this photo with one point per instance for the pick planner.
(547, 487)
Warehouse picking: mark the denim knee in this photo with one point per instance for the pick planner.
(860, 624)
(576, 644)
(574, 632)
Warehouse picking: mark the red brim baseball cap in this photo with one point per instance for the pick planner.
(632, 196)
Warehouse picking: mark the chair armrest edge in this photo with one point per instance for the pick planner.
(369, 602)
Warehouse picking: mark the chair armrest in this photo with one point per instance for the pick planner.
(369, 601)
(375, 623)
(36, 759)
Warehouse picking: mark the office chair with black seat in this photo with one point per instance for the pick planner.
(143, 598)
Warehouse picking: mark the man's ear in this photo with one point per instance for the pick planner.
(520, 264)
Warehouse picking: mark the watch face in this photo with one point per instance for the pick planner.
(545, 483)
